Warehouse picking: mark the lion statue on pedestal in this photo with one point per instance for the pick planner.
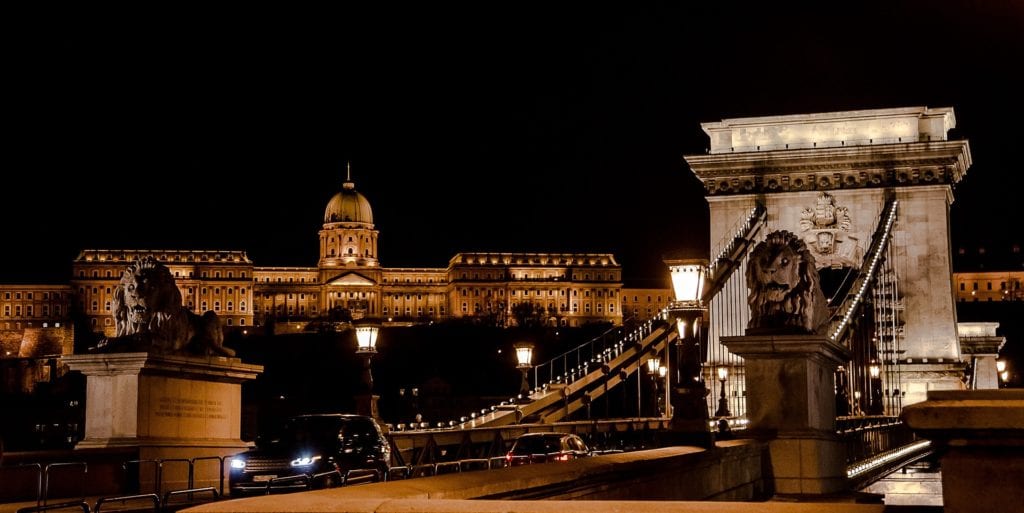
(785, 294)
(149, 316)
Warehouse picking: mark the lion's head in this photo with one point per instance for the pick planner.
(145, 298)
(783, 283)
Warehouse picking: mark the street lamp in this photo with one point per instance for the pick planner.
(656, 372)
(875, 407)
(690, 411)
(524, 358)
(366, 346)
(723, 403)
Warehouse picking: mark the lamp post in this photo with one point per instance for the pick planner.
(875, 405)
(723, 403)
(1004, 375)
(654, 371)
(366, 346)
(524, 359)
(690, 410)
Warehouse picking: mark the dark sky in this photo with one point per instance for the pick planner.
(516, 127)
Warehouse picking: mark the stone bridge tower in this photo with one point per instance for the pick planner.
(827, 177)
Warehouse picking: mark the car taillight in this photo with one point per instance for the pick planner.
(562, 457)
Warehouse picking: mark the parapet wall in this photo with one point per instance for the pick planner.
(733, 470)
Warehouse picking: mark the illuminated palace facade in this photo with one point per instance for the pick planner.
(573, 289)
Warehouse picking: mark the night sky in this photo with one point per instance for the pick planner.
(523, 127)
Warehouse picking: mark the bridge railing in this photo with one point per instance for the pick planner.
(584, 358)
(877, 445)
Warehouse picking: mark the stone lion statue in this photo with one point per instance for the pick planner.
(149, 316)
(785, 294)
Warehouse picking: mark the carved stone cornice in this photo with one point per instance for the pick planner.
(816, 169)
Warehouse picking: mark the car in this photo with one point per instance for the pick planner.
(311, 451)
(545, 447)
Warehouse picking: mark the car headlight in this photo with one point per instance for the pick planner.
(305, 461)
(237, 463)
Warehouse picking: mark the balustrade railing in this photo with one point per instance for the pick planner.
(584, 358)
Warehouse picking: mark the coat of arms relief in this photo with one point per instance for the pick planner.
(825, 229)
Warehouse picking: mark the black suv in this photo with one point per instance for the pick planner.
(308, 450)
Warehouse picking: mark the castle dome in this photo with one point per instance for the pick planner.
(348, 206)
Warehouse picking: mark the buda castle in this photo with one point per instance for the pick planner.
(564, 289)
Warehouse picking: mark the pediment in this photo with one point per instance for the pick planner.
(351, 279)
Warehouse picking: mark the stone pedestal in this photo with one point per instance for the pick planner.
(791, 403)
(169, 407)
(980, 436)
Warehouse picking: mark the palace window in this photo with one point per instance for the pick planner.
(216, 306)
(465, 307)
(241, 305)
(106, 306)
(231, 306)
(229, 321)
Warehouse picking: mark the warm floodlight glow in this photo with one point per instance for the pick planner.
(524, 354)
(723, 373)
(874, 370)
(1000, 365)
(687, 281)
(366, 338)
